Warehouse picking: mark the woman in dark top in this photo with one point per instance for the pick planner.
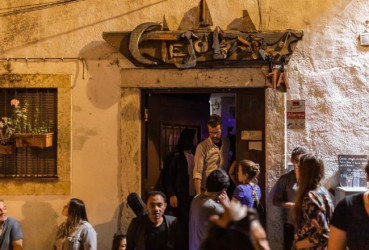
(180, 188)
(314, 206)
(350, 222)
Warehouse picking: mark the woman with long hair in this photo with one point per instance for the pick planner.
(248, 190)
(76, 233)
(314, 206)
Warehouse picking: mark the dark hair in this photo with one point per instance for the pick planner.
(217, 181)
(116, 241)
(367, 168)
(185, 141)
(154, 193)
(250, 168)
(214, 120)
(76, 212)
(297, 152)
(311, 173)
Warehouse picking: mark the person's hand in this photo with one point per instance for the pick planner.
(288, 204)
(173, 201)
(222, 197)
(259, 239)
(233, 211)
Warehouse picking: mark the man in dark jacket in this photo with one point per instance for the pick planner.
(154, 231)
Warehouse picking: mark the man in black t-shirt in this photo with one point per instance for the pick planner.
(155, 230)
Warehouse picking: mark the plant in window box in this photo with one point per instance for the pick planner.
(6, 136)
(28, 133)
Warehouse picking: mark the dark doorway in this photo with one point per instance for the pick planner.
(173, 109)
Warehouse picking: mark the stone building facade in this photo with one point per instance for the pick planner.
(329, 70)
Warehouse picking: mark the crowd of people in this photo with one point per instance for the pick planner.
(201, 215)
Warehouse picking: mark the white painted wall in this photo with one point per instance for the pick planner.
(329, 69)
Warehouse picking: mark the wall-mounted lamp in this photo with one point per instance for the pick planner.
(215, 105)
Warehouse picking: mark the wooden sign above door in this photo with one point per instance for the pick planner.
(154, 45)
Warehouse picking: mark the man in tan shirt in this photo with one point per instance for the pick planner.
(211, 154)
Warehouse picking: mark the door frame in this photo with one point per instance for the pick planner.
(144, 128)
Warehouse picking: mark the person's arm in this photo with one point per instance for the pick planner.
(337, 239)
(305, 243)
(197, 184)
(231, 172)
(17, 244)
(338, 229)
(278, 197)
(90, 239)
(16, 235)
(198, 168)
(258, 236)
(172, 177)
(238, 195)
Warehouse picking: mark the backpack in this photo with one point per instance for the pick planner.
(258, 207)
(135, 202)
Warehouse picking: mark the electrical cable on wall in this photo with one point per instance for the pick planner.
(34, 7)
(260, 19)
(44, 59)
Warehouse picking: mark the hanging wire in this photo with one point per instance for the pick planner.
(260, 19)
(33, 7)
(44, 59)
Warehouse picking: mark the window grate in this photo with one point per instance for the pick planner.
(31, 162)
(169, 138)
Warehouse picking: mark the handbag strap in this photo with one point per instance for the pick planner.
(254, 194)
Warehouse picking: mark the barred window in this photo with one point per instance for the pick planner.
(169, 138)
(26, 161)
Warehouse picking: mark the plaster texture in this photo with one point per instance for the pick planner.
(328, 69)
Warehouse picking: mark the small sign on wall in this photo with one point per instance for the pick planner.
(251, 135)
(295, 114)
(352, 173)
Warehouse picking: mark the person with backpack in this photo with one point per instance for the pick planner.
(248, 192)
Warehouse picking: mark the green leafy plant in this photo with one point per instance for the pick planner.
(23, 124)
(6, 131)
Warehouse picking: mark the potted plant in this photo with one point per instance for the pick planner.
(30, 133)
(6, 136)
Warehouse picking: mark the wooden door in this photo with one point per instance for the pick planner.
(164, 110)
(250, 130)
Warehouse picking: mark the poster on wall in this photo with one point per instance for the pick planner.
(295, 114)
(352, 172)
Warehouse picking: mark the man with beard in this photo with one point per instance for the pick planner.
(11, 236)
(154, 231)
(211, 154)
